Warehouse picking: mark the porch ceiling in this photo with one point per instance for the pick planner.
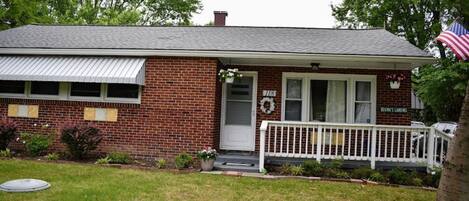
(329, 62)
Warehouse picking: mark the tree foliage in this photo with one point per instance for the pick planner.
(442, 87)
(15, 13)
(419, 21)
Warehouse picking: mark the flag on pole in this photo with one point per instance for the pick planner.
(456, 37)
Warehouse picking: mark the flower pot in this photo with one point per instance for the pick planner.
(207, 165)
(229, 80)
(394, 84)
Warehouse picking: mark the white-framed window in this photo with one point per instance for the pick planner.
(92, 92)
(362, 102)
(293, 99)
(339, 98)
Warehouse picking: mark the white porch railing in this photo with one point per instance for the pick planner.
(319, 140)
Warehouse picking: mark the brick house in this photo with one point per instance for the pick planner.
(154, 91)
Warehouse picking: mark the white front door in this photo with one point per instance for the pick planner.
(238, 115)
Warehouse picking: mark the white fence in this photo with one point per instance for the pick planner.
(319, 140)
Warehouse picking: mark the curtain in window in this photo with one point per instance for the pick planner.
(363, 102)
(336, 101)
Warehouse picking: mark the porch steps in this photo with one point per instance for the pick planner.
(237, 162)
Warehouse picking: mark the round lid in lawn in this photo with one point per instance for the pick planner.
(24, 185)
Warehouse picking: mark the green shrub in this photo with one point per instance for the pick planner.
(285, 169)
(102, 161)
(35, 144)
(183, 160)
(52, 156)
(361, 173)
(341, 174)
(80, 140)
(118, 158)
(377, 177)
(296, 170)
(335, 163)
(161, 164)
(432, 179)
(416, 181)
(398, 176)
(336, 173)
(312, 168)
(8, 130)
(6, 153)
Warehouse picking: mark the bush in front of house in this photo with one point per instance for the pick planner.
(118, 158)
(8, 130)
(6, 153)
(52, 156)
(103, 161)
(183, 160)
(35, 144)
(160, 163)
(80, 140)
(312, 168)
(377, 177)
(398, 176)
(432, 179)
(362, 173)
(295, 170)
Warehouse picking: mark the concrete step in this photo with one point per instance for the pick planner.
(238, 159)
(239, 167)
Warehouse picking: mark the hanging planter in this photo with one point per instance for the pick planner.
(229, 75)
(394, 84)
(395, 80)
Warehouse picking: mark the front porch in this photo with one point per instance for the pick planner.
(385, 145)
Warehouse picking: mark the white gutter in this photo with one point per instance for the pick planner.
(216, 54)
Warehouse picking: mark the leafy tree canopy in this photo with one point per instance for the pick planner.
(15, 13)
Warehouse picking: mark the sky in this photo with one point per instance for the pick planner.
(284, 13)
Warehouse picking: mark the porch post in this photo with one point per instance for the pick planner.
(262, 131)
(373, 148)
(430, 148)
(319, 144)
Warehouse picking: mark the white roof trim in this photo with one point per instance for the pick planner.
(121, 70)
(414, 61)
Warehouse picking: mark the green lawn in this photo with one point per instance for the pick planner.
(92, 182)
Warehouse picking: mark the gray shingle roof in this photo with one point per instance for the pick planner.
(243, 39)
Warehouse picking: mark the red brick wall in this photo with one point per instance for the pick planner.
(270, 78)
(178, 112)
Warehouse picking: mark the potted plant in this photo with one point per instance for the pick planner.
(207, 158)
(395, 80)
(229, 75)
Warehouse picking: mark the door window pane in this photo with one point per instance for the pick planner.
(293, 110)
(363, 91)
(239, 101)
(12, 87)
(294, 88)
(45, 88)
(122, 90)
(238, 113)
(318, 100)
(241, 89)
(86, 89)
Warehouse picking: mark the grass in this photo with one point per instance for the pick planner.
(92, 182)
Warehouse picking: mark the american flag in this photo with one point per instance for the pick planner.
(456, 37)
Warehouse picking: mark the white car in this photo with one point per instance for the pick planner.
(447, 127)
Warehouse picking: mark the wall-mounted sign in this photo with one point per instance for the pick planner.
(394, 109)
(269, 93)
